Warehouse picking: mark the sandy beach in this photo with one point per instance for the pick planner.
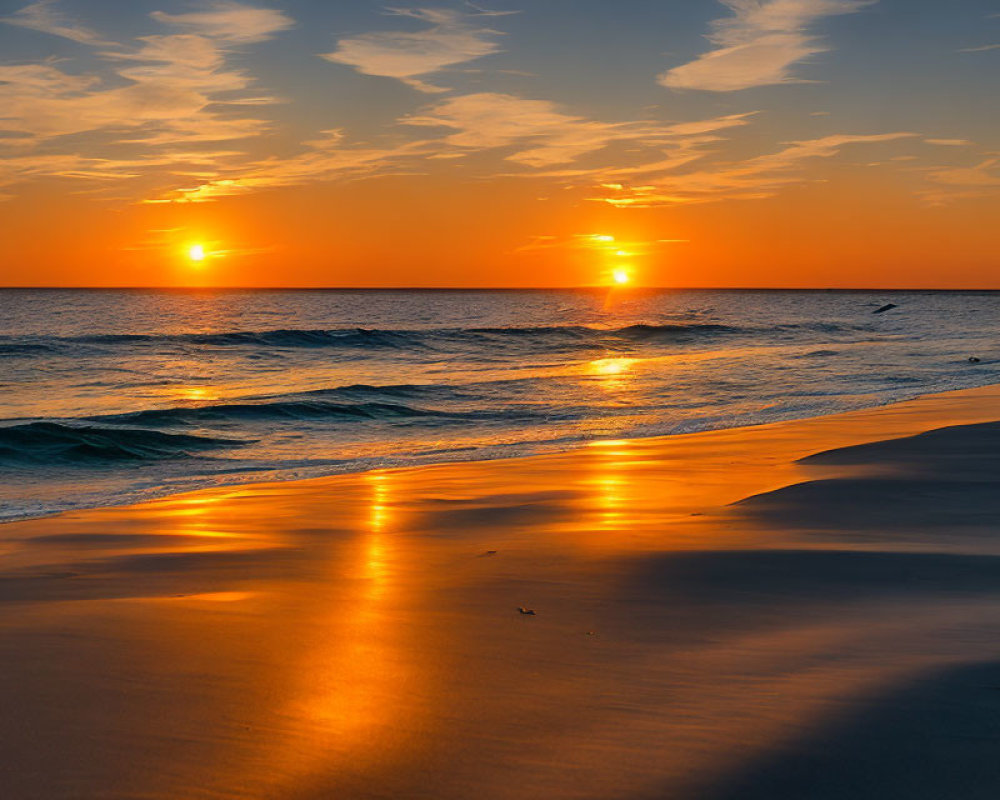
(806, 609)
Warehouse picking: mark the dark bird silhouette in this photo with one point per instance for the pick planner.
(528, 611)
(884, 308)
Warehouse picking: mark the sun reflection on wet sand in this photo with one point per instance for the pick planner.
(609, 459)
(351, 677)
(197, 516)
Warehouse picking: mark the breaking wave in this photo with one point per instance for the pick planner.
(45, 443)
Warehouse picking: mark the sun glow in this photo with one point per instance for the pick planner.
(611, 366)
(621, 277)
(196, 252)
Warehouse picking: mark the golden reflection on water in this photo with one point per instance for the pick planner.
(195, 393)
(611, 366)
(612, 374)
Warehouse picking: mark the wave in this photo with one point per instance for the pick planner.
(15, 349)
(298, 409)
(653, 332)
(392, 390)
(45, 443)
(373, 338)
(281, 337)
(313, 406)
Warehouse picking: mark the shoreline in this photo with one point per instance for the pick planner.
(555, 451)
(359, 635)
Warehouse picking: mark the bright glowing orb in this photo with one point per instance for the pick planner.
(196, 252)
(621, 277)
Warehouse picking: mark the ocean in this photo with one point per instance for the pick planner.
(115, 396)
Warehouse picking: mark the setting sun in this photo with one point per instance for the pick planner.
(196, 252)
(621, 277)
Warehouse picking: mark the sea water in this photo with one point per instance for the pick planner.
(112, 396)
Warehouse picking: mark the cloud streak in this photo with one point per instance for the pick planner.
(162, 96)
(949, 184)
(43, 17)
(539, 133)
(752, 179)
(536, 136)
(452, 38)
(229, 22)
(758, 45)
(327, 158)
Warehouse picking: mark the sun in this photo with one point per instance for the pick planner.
(621, 277)
(196, 252)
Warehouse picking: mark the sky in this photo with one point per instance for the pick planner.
(525, 143)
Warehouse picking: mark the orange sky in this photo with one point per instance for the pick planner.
(397, 232)
(415, 151)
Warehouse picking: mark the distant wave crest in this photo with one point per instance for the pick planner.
(380, 339)
(281, 337)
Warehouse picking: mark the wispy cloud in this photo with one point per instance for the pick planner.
(546, 135)
(167, 96)
(163, 95)
(452, 38)
(42, 16)
(981, 49)
(538, 132)
(229, 22)
(544, 141)
(752, 179)
(758, 45)
(961, 183)
(108, 171)
(328, 158)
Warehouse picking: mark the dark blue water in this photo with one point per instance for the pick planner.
(113, 396)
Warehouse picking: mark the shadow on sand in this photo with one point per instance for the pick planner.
(946, 479)
(936, 739)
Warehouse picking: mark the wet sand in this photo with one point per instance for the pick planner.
(800, 610)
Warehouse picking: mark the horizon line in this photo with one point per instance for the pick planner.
(591, 287)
